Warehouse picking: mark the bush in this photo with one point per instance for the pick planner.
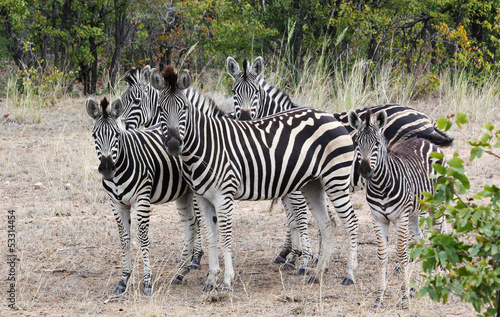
(466, 261)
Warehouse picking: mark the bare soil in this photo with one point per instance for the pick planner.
(69, 259)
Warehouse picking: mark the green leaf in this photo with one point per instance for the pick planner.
(437, 155)
(462, 118)
(441, 123)
(440, 169)
(489, 126)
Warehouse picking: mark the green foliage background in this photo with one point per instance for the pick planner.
(420, 36)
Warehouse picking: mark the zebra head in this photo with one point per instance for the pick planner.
(246, 89)
(369, 139)
(106, 132)
(173, 106)
(135, 98)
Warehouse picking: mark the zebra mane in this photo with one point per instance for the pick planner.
(245, 64)
(104, 105)
(133, 75)
(368, 117)
(205, 104)
(170, 76)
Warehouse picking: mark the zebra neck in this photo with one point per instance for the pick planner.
(122, 149)
(152, 109)
(272, 99)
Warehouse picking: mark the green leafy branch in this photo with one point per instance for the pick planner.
(466, 260)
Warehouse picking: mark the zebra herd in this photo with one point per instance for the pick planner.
(196, 154)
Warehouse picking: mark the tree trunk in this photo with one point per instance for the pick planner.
(93, 50)
(122, 32)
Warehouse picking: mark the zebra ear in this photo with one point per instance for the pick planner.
(116, 108)
(146, 74)
(232, 67)
(380, 120)
(184, 80)
(157, 81)
(354, 120)
(258, 66)
(93, 108)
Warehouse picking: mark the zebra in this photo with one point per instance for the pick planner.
(140, 103)
(227, 159)
(395, 179)
(140, 109)
(137, 172)
(254, 98)
(139, 99)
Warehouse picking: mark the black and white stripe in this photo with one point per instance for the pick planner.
(140, 100)
(395, 180)
(137, 172)
(256, 98)
(140, 103)
(226, 159)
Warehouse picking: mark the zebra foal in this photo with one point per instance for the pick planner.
(395, 179)
(137, 172)
(227, 159)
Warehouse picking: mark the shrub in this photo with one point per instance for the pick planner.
(466, 261)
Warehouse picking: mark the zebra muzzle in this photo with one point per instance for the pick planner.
(174, 146)
(245, 114)
(365, 169)
(107, 167)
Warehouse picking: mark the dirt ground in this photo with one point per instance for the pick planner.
(68, 254)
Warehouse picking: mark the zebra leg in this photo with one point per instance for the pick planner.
(210, 222)
(190, 225)
(143, 209)
(316, 200)
(295, 206)
(403, 255)
(287, 247)
(339, 196)
(381, 227)
(415, 231)
(122, 216)
(198, 250)
(225, 224)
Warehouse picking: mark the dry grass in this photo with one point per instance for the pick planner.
(68, 248)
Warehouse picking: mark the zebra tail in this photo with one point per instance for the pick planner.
(440, 138)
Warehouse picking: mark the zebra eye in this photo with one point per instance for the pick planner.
(137, 101)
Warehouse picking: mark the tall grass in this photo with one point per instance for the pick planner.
(336, 86)
(28, 91)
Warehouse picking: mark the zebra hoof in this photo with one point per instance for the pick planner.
(413, 292)
(303, 270)
(397, 268)
(279, 259)
(378, 303)
(289, 266)
(224, 288)
(148, 289)
(313, 280)
(347, 281)
(207, 287)
(195, 266)
(121, 287)
(177, 280)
